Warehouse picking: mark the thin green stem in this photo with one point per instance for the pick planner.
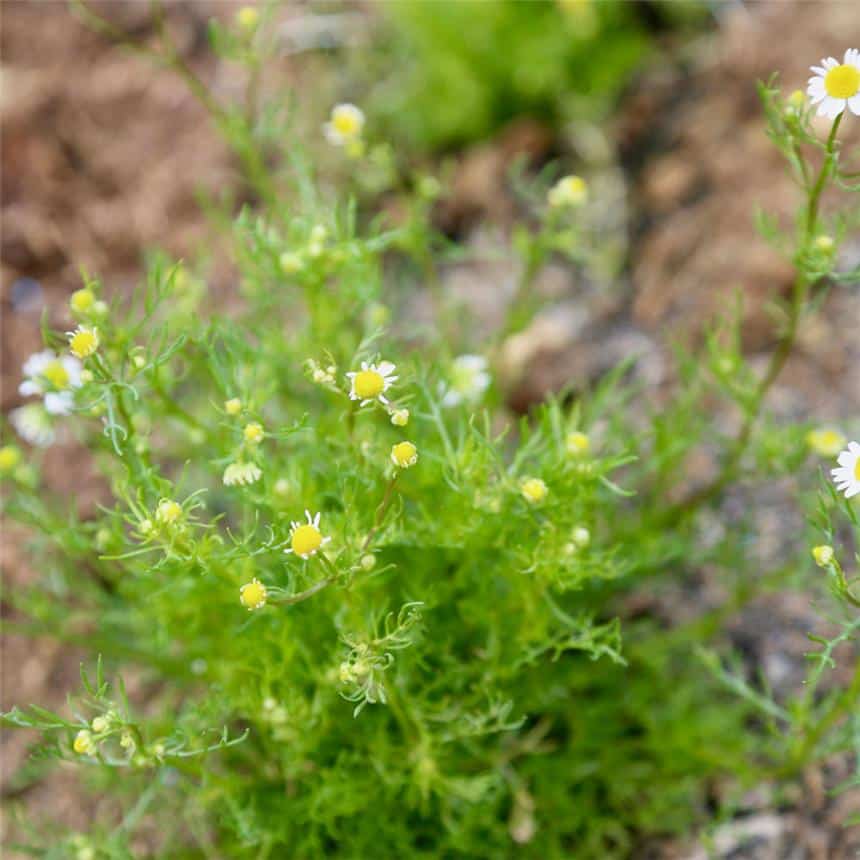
(780, 356)
(380, 511)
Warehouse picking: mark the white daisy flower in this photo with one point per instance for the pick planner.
(847, 475)
(306, 538)
(242, 474)
(469, 379)
(33, 424)
(371, 382)
(835, 86)
(54, 377)
(345, 125)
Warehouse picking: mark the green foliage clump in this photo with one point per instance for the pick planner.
(375, 615)
(466, 69)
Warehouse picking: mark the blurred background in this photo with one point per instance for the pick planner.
(105, 157)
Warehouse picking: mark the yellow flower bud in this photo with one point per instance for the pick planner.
(247, 18)
(534, 490)
(83, 743)
(253, 595)
(404, 455)
(253, 433)
(82, 301)
(168, 512)
(83, 341)
(10, 456)
(577, 443)
(823, 555)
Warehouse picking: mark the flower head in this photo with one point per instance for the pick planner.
(290, 263)
(847, 475)
(82, 301)
(54, 377)
(247, 18)
(399, 417)
(534, 490)
(242, 474)
(835, 86)
(253, 433)
(577, 443)
(33, 424)
(825, 442)
(83, 743)
(83, 341)
(823, 555)
(796, 100)
(404, 455)
(581, 537)
(10, 456)
(168, 512)
(253, 595)
(306, 538)
(345, 125)
(233, 406)
(371, 382)
(824, 244)
(468, 381)
(568, 193)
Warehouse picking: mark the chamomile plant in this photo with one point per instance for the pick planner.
(370, 612)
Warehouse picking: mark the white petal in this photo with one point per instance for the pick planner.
(58, 402)
(471, 362)
(385, 367)
(831, 107)
(332, 135)
(819, 70)
(816, 86)
(28, 387)
(853, 491)
(854, 448)
(830, 63)
(854, 104)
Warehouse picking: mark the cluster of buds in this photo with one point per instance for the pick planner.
(86, 306)
(322, 375)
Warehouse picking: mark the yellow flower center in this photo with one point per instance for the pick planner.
(252, 595)
(368, 384)
(83, 743)
(346, 123)
(857, 470)
(56, 374)
(247, 17)
(405, 454)
(9, 458)
(842, 82)
(253, 433)
(306, 539)
(168, 511)
(827, 443)
(83, 343)
(578, 443)
(82, 300)
(823, 555)
(534, 489)
(568, 191)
